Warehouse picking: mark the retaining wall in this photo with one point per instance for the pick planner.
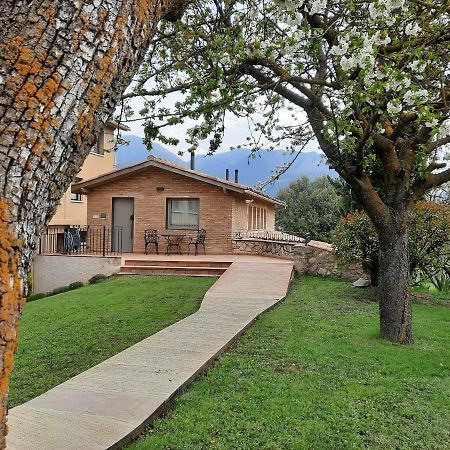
(316, 258)
(319, 258)
(52, 271)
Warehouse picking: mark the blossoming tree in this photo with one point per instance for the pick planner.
(63, 66)
(368, 81)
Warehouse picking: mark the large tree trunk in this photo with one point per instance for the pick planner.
(394, 282)
(63, 66)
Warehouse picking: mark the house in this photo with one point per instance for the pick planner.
(72, 210)
(157, 194)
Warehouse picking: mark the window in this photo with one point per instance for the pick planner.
(183, 213)
(76, 197)
(99, 148)
(257, 218)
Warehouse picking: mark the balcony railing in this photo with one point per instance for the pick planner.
(75, 240)
(265, 235)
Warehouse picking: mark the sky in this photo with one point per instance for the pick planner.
(236, 130)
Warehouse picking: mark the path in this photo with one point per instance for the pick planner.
(103, 407)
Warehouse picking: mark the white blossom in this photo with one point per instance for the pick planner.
(432, 123)
(444, 130)
(394, 107)
(317, 6)
(412, 29)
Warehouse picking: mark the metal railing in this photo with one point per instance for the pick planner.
(76, 240)
(265, 235)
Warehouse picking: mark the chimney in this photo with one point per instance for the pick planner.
(227, 174)
(236, 176)
(192, 160)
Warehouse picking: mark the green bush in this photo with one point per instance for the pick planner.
(355, 239)
(313, 208)
(97, 278)
(37, 296)
(60, 290)
(76, 285)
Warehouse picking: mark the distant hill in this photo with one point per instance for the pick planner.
(259, 168)
(136, 151)
(251, 169)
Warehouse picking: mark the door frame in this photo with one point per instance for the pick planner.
(133, 229)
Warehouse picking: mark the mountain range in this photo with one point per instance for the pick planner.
(252, 169)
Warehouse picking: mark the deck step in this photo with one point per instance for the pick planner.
(172, 270)
(177, 263)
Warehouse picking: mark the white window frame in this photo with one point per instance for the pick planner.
(76, 198)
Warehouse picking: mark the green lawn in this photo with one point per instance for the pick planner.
(312, 374)
(63, 335)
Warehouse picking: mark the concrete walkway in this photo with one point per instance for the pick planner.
(104, 407)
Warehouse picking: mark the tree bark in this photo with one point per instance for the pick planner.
(63, 66)
(394, 284)
(375, 271)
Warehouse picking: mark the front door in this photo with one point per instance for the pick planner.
(123, 224)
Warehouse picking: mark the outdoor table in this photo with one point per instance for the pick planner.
(173, 240)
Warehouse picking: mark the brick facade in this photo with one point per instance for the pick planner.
(222, 211)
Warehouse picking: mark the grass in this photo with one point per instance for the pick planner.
(313, 374)
(63, 335)
(429, 294)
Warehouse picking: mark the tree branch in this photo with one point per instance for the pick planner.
(420, 188)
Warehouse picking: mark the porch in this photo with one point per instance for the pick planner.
(192, 265)
(108, 241)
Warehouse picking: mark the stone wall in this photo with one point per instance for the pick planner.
(53, 271)
(319, 258)
(263, 247)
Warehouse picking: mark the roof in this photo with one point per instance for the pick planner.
(84, 186)
(117, 125)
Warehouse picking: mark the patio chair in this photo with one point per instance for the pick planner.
(199, 240)
(72, 241)
(151, 238)
(68, 241)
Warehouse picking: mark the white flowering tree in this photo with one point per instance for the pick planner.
(367, 80)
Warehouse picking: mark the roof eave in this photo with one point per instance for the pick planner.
(84, 186)
(77, 187)
(265, 198)
(117, 125)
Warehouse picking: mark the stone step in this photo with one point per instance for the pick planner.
(172, 270)
(177, 263)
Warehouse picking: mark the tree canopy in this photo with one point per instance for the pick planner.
(367, 80)
(313, 208)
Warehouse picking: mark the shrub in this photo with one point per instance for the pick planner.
(60, 290)
(355, 239)
(442, 280)
(313, 208)
(97, 278)
(37, 296)
(76, 285)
